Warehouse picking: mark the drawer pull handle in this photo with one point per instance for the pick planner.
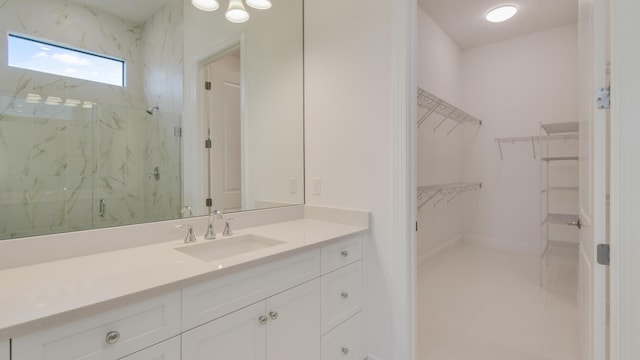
(345, 350)
(344, 253)
(345, 295)
(263, 320)
(273, 315)
(112, 337)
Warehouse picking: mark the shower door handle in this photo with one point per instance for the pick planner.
(102, 207)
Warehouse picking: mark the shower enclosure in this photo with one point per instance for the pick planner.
(66, 168)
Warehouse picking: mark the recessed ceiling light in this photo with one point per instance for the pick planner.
(501, 13)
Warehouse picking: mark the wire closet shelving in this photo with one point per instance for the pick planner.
(443, 192)
(429, 104)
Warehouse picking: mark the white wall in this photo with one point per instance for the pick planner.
(514, 85)
(440, 157)
(348, 141)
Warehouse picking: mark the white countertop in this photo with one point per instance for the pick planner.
(44, 295)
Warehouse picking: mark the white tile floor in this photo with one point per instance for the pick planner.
(478, 303)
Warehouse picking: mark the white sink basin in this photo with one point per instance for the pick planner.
(225, 247)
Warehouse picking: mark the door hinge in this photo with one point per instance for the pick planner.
(208, 202)
(604, 98)
(207, 85)
(416, 226)
(207, 144)
(603, 255)
(177, 131)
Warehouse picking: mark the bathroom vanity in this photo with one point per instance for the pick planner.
(296, 296)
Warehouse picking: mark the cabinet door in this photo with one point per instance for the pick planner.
(4, 350)
(236, 336)
(166, 350)
(294, 323)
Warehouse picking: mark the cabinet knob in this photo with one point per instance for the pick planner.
(345, 350)
(273, 315)
(344, 253)
(345, 295)
(112, 337)
(263, 320)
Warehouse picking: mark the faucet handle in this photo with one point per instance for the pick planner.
(189, 238)
(227, 227)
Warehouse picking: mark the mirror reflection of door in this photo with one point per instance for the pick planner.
(223, 114)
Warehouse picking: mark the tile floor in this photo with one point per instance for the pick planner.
(478, 303)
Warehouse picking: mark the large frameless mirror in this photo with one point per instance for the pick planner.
(78, 152)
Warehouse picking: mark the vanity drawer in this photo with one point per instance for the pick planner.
(341, 253)
(341, 295)
(216, 298)
(345, 341)
(166, 350)
(107, 336)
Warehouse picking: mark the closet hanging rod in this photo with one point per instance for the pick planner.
(533, 140)
(432, 104)
(444, 191)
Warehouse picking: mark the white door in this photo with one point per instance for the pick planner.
(592, 279)
(223, 114)
(238, 336)
(294, 323)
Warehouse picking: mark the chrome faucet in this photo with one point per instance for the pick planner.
(227, 228)
(211, 231)
(189, 238)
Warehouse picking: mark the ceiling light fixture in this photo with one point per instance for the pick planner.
(501, 13)
(206, 5)
(236, 12)
(259, 4)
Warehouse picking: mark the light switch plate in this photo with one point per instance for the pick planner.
(317, 186)
(293, 186)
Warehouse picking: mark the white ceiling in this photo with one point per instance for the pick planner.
(135, 11)
(464, 20)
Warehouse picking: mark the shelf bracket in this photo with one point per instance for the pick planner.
(533, 146)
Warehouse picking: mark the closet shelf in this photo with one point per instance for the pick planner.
(443, 191)
(428, 104)
(560, 219)
(560, 158)
(533, 140)
(561, 128)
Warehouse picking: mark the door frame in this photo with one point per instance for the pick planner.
(404, 162)
(625, 173)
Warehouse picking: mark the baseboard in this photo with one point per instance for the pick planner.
(439, 251)
(502, 244)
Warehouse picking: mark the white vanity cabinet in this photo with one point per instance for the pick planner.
(303, 305)
(285, 326)
(166, 350)
(4, 350)
(108, 336)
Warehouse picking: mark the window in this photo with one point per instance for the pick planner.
(36, 55)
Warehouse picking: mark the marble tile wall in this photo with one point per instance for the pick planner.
(56, 162)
